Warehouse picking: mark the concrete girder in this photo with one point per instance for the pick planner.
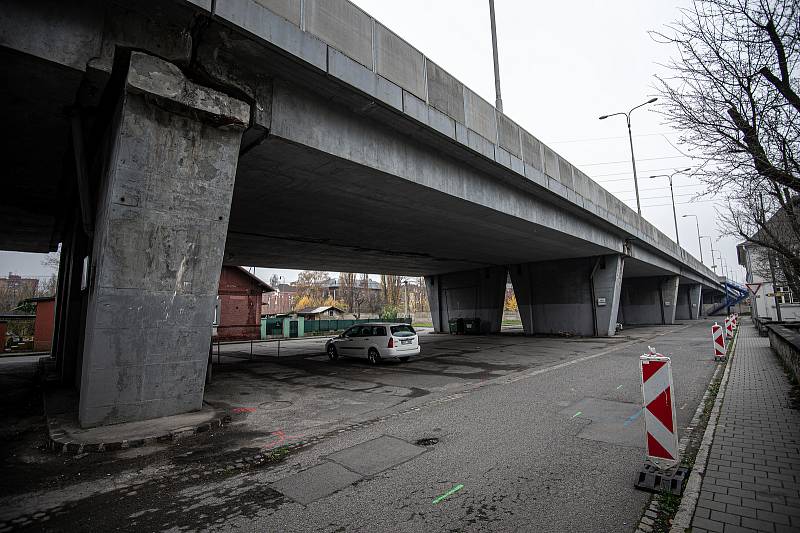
(158, 245)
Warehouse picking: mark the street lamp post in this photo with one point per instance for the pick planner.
(711, 242)
(699, 242)
(672, 195)
(499, 100)
(630, 138)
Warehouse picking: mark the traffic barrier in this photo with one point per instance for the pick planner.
(661, 471)
(718, 338)
(659, 407)
(728, 327)
(735, 319)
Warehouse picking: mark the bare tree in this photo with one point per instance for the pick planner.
(733, 93)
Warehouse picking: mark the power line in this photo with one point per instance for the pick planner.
(628, 172)
(609, 138)
(679, 186)
(628, 160)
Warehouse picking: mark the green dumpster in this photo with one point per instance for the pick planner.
(453, 324)
(472, 326)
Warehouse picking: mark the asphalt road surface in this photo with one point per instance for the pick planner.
(498, 433)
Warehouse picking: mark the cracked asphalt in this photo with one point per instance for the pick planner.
(541, 433)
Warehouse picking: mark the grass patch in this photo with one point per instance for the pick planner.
(667, 507)
(422, 324)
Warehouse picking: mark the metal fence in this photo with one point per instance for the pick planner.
(331, 326)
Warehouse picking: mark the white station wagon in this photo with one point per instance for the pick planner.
(375, 341)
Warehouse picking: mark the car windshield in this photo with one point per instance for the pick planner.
(403, 331)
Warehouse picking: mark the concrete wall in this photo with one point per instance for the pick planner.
(575, 296)
(159, 241)
(476, 293)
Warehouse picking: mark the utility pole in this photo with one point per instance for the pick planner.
(405, 282)
(499, 100)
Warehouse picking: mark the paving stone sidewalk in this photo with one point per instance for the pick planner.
(752, 481)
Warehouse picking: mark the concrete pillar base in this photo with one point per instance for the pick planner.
(470, 294)
(159, 240)
(577, 296)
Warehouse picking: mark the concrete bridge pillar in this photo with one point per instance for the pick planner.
(162, 218)
(649, 300)
(688, 306)
(476, 293)
(578, 296)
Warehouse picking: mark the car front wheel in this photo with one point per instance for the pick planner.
(373, 356)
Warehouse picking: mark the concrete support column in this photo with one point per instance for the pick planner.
(669, 298)
(470, 294)
(696, 300)
(162, 218)
(70, 308)
(688, 306)
(578, 296)
(649, 300)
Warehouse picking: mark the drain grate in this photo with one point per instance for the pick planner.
(429, 441)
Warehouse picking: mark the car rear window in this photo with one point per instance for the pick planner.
(403, 331)
(378, 331)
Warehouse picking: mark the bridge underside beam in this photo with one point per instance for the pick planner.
(478, 293)
(159, 239)
(649, 300)
(578, 296)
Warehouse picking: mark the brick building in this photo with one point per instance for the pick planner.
(239, 301)
(280, 301)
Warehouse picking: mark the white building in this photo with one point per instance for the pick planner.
(768, 297)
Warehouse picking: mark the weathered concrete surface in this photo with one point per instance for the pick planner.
(351, 60)
(471, 294)
(649, 300)
(158, 246)
(688, 304)
(576, 296)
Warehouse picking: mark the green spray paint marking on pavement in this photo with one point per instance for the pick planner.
(619, 387)
(448, 493)
(576, 414)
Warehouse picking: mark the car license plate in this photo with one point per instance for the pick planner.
(405, 341)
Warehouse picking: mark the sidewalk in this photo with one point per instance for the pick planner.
(752, 481)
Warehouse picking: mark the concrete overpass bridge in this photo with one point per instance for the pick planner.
(158, 140)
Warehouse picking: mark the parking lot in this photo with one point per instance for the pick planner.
(302, 393)
(541, 433)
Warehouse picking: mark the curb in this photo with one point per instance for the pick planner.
(683, 518)
(58, 441)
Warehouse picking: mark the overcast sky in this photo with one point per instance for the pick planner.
(562, 65)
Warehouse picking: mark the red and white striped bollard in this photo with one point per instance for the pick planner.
(659, 409)
(718, 338)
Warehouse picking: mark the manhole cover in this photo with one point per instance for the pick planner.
(429, 441)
